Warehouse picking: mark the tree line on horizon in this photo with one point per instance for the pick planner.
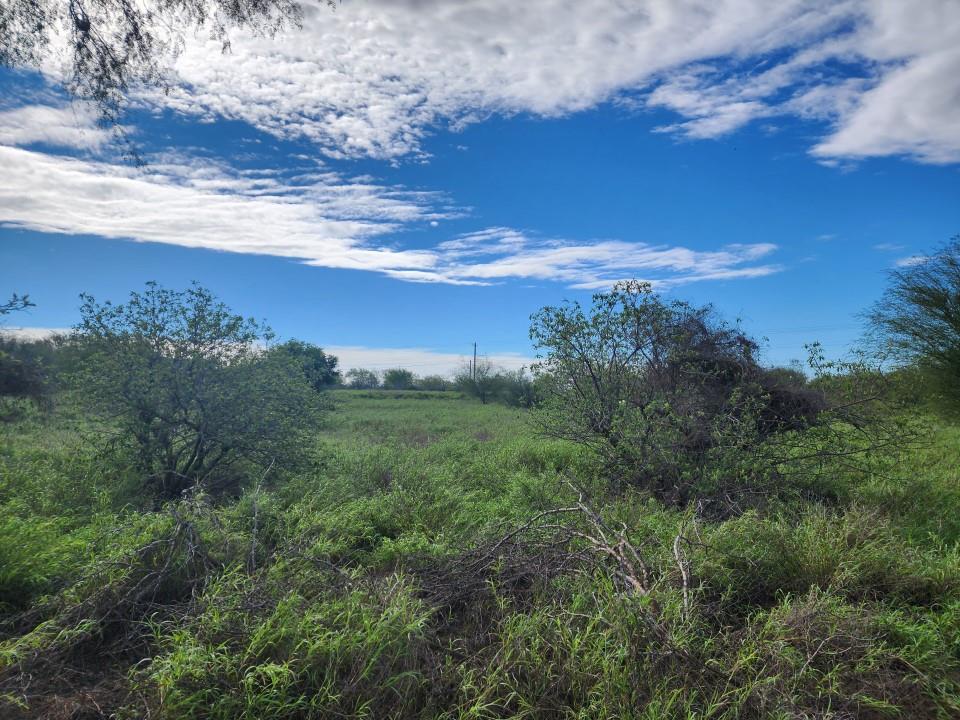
(666, 393)
(30, 368)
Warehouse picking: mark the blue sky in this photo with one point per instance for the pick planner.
(398, 180)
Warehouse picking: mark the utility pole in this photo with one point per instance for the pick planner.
(473, 374)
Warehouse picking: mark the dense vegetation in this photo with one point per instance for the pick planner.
(424, 554)
(917, 321)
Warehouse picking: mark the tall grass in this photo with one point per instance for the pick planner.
(334, 593)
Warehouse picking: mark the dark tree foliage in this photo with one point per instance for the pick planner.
(669, 397)
(112, 45)
(23, 373)
(477, 379)
(433, 382)
(185, 382)
(362, 379)
(319, 368)
(398, 379)
(26, 370)
(918, 320)
(518, 388)
(489, 383)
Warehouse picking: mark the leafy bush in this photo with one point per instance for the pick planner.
(362, 379)
(316, 654)
(489, 383)
(431, 563)
(918, 320)
(754, 561)
(26, 370)
(319, 368)
(398, 379)
(669, 398)
(433, 382)
(183, 382)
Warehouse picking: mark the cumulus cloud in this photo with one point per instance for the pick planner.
(373, 77)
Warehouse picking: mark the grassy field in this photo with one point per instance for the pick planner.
(411, 572)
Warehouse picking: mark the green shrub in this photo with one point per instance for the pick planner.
(182, 381)
(358, 654)
(373, 583)
(754, 561)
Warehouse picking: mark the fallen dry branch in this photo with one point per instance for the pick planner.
(569, 540)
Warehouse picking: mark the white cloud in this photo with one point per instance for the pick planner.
(914, 112)
(903, 97)
(911, 260)
(29, 334)
(323, 219)
(495, 254)
(422, 361)
(373, 77)
(70, 126)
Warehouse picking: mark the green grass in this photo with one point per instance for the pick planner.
(339, 591)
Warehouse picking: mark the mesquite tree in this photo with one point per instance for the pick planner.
(670, 398)
(187, 385)
(918, 320)
(319, 367)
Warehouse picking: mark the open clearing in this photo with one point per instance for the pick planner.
(358, 587)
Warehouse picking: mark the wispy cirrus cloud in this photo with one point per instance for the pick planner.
(325, 219)
(318, 217)
(495, 254)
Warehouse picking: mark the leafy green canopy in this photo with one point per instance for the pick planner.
(669, 397)
(25, 370)
(186, 384)
(489, 383)
(21, 374)
(918, 319)
(362, 379)
(319, 368)
(398, 379)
